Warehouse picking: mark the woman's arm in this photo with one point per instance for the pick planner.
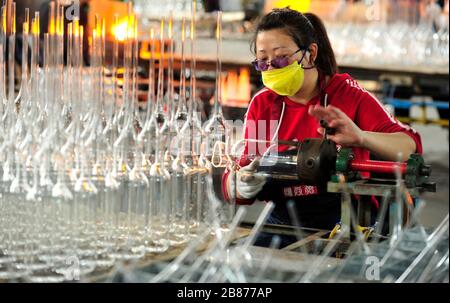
(388, 146)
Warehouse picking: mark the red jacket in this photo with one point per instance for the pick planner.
(342, 92)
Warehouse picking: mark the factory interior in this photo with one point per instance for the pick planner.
(224, 141)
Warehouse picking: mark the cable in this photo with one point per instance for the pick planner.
(234, 147)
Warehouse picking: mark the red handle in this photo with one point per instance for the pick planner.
(381, 167)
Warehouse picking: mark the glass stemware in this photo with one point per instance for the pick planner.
(84, 185)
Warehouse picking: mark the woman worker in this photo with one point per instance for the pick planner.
(299, 72)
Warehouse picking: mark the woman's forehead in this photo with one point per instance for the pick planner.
(263, 50)
(273, 40)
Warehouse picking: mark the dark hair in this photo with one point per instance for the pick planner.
(304, 30)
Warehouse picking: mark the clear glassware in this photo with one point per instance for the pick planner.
(146, 136)
(126, 148)
(79, 185)
(181, 113)
(215, 128)
(156, 240)
(158, 223)
(191, 136)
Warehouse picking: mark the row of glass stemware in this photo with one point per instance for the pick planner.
(88, 179)
(382, 44)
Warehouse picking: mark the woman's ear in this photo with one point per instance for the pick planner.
(313, 51)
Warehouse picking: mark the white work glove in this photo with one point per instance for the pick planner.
(248, 183)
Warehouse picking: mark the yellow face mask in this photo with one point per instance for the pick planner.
(285, 81)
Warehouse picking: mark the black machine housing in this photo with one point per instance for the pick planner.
(311, 161)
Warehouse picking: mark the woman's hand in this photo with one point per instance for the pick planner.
(387, 146)
(248, 182)
(347, 133)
